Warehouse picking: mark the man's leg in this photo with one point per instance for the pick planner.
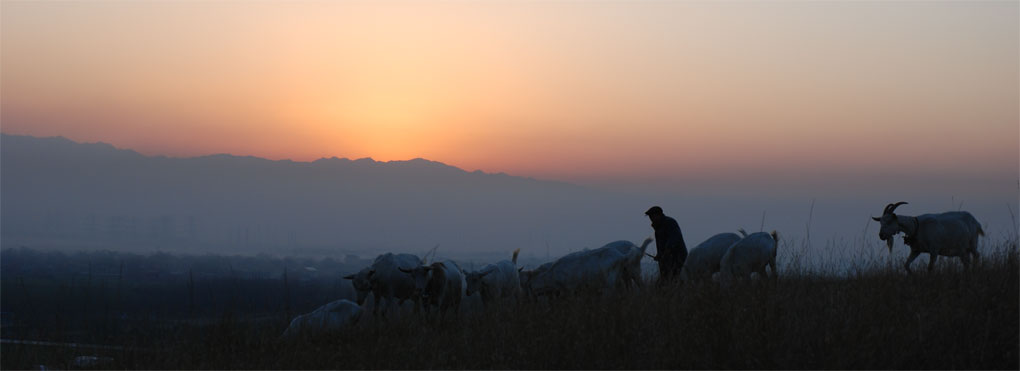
(667, 269)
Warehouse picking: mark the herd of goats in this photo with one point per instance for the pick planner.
(442, 284)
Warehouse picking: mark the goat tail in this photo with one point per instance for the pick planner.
(516, 252)
(641, 252)
(775, 237)
(644, 245)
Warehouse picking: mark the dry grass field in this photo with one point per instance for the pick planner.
(874, 318)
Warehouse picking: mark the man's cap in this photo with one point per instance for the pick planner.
(654, 210)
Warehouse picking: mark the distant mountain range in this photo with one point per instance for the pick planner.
(57, 192)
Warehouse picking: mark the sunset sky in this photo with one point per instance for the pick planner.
(574, 91)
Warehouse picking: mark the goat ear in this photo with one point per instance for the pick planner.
(877, 219)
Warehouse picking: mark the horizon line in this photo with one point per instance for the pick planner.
(250, 156)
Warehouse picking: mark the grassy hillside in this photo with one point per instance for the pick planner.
(875, 318)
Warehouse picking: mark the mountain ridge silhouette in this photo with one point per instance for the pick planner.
(61, 192)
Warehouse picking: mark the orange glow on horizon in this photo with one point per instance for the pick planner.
(554, 90)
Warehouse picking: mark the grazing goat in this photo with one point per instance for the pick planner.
(586, 270)
(527, 276)
(750, 254)
(495, 281)
(362, 283)
(440, 284)
(704, 259)
(334, 316)
(386, 281)
(614, 264)
(953, 233)
(630, 272)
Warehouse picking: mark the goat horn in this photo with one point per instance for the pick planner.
(892, 207)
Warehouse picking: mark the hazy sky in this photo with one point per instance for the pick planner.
(650, 92)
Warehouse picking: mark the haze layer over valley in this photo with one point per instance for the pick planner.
(57, 193)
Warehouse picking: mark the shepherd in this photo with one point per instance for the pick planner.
(671, 251)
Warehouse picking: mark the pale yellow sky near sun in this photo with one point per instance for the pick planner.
(562, 90)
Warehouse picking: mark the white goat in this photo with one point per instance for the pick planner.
(445, 288)
(586, 270)
(953, 233)
(704, 259)
(630, 268)
(386, 281)
(614, 264)
(334, 316)
(495, 281)
(750, 254)
(362, 284)
(440, 284)
(526, 277)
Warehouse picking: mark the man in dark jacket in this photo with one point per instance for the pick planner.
(671, 251)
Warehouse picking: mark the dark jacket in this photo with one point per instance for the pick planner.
(669, 241)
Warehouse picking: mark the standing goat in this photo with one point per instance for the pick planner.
(385, 281)
(440, 284)
(615, 264)
(631, 264)
(527, 278)
(703, 260)
(750, 254)
(495, 281)
(953, 233)
(586, 270)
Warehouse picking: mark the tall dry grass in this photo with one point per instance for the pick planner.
(879, 318)
(873, 316)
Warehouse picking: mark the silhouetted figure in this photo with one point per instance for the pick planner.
(671, 251)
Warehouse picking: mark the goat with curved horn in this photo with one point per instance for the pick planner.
(953, 233)
(888, 210)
